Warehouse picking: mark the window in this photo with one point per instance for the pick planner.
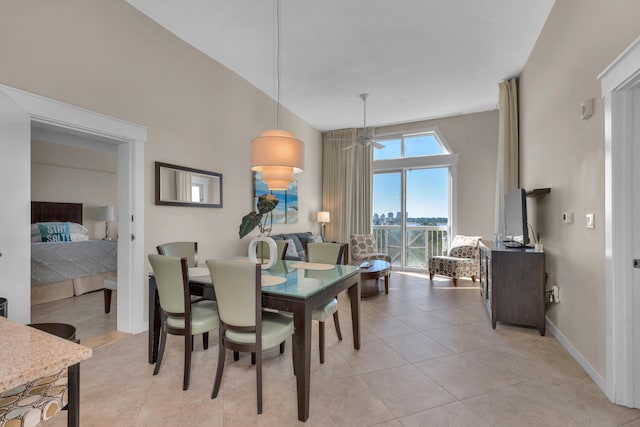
(413, 145)
(413, 194)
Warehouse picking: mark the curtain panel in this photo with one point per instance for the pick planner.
(346, 184)
(507, 171)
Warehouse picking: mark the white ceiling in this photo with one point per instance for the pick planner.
(418, 59)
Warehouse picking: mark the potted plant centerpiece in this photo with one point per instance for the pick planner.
(264, 215)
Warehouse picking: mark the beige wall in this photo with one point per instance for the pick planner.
(61, 173)
(474, 137)
(107, 57)
(561, 151)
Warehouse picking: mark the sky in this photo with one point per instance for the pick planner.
(427, 189)
(427, 193)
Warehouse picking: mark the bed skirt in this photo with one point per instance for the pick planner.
(68, 288)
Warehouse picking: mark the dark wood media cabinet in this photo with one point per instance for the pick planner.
(512, 282)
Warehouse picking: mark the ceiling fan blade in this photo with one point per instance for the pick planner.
(377, 144)
(346, 148)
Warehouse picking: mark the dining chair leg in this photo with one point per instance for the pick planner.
(188, 345)
(282, 347)
(205, 340)
(259, 379)
(336, 322)
(321, 340)
(163, 342)
(221, 354)
(236, 356)
(253, 358)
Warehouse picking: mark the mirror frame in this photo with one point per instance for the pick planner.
(180, 203)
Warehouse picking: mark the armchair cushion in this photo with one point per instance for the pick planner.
(463, 259)
(365, 248)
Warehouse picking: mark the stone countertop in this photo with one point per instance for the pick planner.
(28, 354)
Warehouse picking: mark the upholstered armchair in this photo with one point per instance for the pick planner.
(364, 248)
(463, 260)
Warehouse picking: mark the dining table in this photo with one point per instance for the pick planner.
(292, 286)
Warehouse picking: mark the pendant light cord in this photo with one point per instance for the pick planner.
(277, 61)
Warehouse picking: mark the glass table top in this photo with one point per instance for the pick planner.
(299, 281)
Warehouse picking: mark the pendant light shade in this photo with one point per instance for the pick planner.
(277, 155)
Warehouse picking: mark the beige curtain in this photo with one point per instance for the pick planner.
(507, 174)
(183, 186)
(346, 185)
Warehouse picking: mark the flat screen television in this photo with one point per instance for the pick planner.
(515, 218)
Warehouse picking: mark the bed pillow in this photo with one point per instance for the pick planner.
(35, 233)
(74, 227)
(77, 232)
(78, 237)
(54, 231)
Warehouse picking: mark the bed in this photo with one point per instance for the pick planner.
(63, 269)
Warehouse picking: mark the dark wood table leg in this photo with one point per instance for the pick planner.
(154, 320)
(302, 358)
(107, 300)
(354, 297)
(73, 404)
(386, 284)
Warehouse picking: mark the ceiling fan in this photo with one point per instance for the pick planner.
(366, 137)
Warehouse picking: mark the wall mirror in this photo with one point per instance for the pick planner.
(182, 186)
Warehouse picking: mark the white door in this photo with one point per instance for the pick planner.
(15, 213)
(635, 188)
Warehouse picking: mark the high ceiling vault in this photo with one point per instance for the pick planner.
(418, 59)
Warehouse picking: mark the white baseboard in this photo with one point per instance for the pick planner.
(595, 376)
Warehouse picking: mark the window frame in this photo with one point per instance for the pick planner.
(403, 164)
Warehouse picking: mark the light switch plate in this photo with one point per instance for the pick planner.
(590, 221)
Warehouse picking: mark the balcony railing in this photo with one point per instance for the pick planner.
(422, 241)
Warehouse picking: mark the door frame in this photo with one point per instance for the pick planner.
(130, 139)
(618, 83)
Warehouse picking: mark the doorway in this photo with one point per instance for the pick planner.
(620, 87)
(22, 110)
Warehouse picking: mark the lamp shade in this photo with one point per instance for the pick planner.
(106, 213)
(324, 216)
(277, 154)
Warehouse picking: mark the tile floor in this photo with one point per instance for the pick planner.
(429, 357)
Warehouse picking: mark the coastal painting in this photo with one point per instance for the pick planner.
(287, 210)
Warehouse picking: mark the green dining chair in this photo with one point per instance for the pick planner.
(189, 250)
(244, 326)
(263, 250)
(179, 316)
(325, 253)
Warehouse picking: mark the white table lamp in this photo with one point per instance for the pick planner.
(106, 214)
(323, 218)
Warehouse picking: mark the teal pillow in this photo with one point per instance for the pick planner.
(55, 231)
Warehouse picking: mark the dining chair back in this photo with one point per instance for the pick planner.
(262, 249)
(189, 250)
(179, 315)
(325, 253)
(244, 326)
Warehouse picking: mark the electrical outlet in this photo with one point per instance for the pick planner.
(555, 292)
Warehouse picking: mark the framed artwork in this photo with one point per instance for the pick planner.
(287, 210)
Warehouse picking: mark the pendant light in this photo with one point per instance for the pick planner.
(277, 154)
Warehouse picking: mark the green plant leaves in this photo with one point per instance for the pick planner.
(266, 203)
